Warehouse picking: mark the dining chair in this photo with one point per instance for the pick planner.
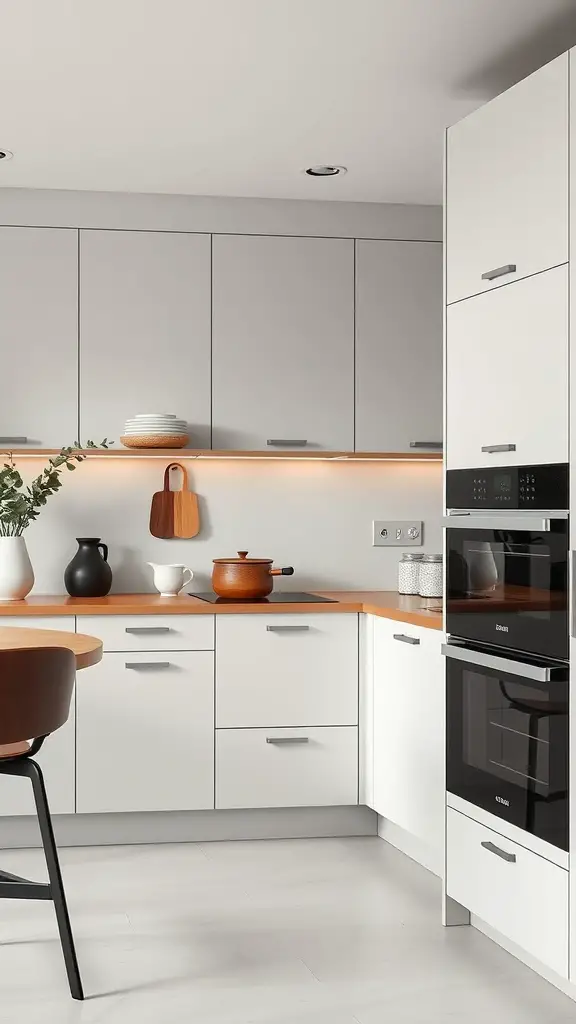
(35, 691)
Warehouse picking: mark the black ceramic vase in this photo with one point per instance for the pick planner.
(88, 574)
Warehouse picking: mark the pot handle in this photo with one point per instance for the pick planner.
(288, 571)
(104, 551)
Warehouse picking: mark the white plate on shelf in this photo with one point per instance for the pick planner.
(155, 416)
(164, 426)
(154, 433)
(151, 419)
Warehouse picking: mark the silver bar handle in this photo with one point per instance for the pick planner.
(491, 275)
(283, 741)
(406, 639)
(540, 673)
(492, 848)
(13, 440)
(142, 630)
(572, 557)
(491, 449)
(286, 442)
(494, 521)
(287, 629)
(426, 444)
(146, 664)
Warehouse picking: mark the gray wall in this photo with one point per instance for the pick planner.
(316, 516)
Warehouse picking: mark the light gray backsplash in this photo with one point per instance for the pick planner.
(316, 516)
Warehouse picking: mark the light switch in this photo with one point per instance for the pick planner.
(397, 533)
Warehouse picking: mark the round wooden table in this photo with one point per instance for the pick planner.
(87, 649)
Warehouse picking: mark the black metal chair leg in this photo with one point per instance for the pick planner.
(55, 876)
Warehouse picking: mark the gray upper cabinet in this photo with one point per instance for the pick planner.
(144, 330)
(39, 317)
(398, 346)
(283, 343)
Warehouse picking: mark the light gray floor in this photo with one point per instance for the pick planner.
(310, 931)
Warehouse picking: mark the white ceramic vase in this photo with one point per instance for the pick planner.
(16, 573)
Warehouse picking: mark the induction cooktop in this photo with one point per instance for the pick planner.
(279, 597)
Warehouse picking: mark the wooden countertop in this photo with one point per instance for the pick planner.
(88, 649)
(417, 611)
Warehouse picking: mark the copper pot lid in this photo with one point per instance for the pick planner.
(243, 560)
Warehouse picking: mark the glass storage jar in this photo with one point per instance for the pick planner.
(430, 576)
(409, 573)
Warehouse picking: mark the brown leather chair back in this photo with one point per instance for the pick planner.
(36, 687)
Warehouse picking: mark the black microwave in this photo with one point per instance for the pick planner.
(507, 558)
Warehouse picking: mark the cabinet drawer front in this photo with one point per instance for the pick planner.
(63, 622)
(519, 893)
(151, 632)
(286, 767)
(286, 670)
(145, 733)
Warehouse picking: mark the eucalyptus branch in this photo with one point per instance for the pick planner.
(19, 504)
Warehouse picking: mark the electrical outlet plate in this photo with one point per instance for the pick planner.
(393, 533)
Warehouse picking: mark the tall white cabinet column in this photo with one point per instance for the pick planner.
(572, 288)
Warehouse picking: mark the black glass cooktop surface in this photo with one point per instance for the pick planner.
(279, 597)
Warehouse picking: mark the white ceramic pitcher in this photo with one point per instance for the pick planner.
(170, 579)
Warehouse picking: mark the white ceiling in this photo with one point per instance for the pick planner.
(236, 97)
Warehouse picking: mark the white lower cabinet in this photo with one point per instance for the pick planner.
(310, 767)
(151, 632)
(145, 732)
(518, 893)
(408, 740)
(286, 670)
(57, 756)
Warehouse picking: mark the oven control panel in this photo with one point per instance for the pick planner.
(509, 487)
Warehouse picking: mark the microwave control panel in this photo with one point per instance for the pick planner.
(509, 487)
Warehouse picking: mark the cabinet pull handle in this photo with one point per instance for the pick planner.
(427, 444)
(492, 848)
(13, 440)
(146, 664)
(287, 629)
(491, 448)
(508, 268)
(406, 639)
(147, 629)
(281, 741)
(285, 442)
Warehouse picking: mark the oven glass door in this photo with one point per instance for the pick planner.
(509, 587)
(507, 747)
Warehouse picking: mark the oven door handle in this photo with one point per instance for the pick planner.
(532, 523)
(540, 673)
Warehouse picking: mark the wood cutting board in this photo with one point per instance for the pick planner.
(174, 513)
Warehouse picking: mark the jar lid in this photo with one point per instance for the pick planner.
(432, 558)
(243, 560)
(412, 556)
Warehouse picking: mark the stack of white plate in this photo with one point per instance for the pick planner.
(155, 430)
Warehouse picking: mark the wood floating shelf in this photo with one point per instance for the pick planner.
(208, 453)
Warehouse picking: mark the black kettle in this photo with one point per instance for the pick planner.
(88, 574)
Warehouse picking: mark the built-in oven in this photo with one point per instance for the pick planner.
(507, 737)
(507, 558)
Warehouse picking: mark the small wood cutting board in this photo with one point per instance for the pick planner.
(174, 513)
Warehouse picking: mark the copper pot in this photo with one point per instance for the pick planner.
(245, 578)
